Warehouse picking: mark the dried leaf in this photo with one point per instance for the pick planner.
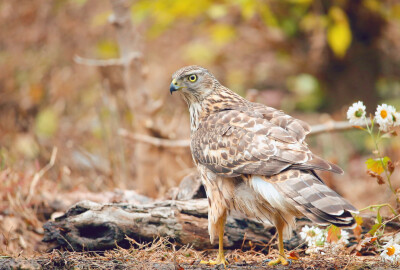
(357, 232)
(372, 174)
(359, 220)
(334, 234)
(294, 255)
(358, 229)
(390, 166)
(380, 180)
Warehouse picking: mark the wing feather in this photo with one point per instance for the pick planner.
(260, 141)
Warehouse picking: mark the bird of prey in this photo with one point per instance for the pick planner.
(253, 159)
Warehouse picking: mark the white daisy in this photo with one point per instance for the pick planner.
(315, 238)
(384, 116)
(391, 252)
(356, 113)
(344, 237)
(311, 234)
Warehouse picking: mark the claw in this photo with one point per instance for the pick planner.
(220, 260)
(280, 260)
(211, 262)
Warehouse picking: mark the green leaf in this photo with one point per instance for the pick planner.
(379, 218)
(374, 229)
(375, 165)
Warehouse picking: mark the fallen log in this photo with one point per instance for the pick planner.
(92, 226)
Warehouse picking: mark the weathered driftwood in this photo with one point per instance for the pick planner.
(91, 226)
(88, 225)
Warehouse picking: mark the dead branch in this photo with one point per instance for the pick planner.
(109, 62)
(40, 174)
(331, 126)
(153, 140)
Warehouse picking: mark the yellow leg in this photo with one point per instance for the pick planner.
(221, 257)
(282, 258)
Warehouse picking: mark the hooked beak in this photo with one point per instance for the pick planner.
(174, 86)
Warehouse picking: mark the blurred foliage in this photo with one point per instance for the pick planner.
(46, 123)
(217, 25)
(308, 94)
(280, 48)
(107, 49)
(292, 17)
(339, 32)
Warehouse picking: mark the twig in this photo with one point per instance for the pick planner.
(40, 174)
(153, 140)
(330, 126)
(125, 61)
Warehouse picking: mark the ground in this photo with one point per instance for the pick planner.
(159, 255)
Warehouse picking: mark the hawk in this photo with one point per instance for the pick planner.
(253, 159)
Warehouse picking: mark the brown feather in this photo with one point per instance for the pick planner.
(253, 158)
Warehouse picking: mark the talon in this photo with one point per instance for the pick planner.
(217, 262)
(280, 260)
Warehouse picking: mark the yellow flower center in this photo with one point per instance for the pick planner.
(384, 114)
(311, 233)
(390, 250)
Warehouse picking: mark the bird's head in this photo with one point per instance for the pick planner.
(194, 82)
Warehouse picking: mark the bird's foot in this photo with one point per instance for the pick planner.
(219, 260)
(280, 260)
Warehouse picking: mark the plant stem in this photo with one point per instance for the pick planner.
(375, 140)
(379, 206)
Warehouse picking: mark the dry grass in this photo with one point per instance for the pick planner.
(162, 254)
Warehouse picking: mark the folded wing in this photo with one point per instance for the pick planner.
(254, 141)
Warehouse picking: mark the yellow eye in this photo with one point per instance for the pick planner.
(192, 78)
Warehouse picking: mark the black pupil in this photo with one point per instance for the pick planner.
(192, 78)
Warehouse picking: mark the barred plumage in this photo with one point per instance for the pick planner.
(254, 159)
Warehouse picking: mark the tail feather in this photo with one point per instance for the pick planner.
(317, 201)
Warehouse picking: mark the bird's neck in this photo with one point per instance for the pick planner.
(195, 110)
(222, 99)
